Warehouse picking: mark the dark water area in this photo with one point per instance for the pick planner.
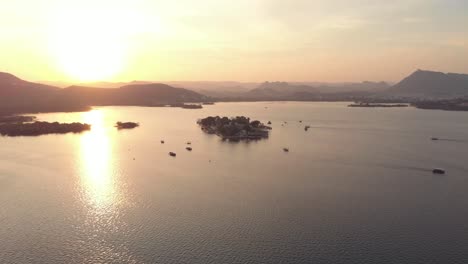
(357, 187)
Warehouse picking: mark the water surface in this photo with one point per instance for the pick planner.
(356, 188)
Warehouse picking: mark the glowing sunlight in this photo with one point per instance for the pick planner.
(90, 49)
(96, 155)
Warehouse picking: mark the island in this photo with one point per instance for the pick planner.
(362, 104)
(234, 129)
(41, 128)
(126, 125)
(460, 104)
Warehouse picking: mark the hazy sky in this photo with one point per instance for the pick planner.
(245, 40)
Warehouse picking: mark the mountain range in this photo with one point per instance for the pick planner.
(431, 85)
(299, 91)
(19, 96)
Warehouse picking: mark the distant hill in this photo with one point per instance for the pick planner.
(12, 85)
(361, 87)
(111, 84)
(98, 84)
(233, 90)
(137, 94)
(278, 90)
(431, 85)
(300, 91)
(216, 89)
(19, 96)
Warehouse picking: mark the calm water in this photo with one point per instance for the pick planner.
(356, 188)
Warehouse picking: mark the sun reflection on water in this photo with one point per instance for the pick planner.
(100, 191)
(97, 175)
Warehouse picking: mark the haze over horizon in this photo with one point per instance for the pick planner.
(245, 40)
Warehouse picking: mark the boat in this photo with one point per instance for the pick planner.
(286, 149)
(307, 128)
(172, 154)
(188, 148)
(438, 171)
(434, 139)
(162, 141)
(189, 143)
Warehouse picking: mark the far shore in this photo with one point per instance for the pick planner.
(447, 105)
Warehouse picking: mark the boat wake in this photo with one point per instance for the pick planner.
(403, 167)
(452, 140)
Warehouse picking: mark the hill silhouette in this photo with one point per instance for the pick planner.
(12, 85)
(20, 96)
(138, 95)
(317, 92)
(431, 85)
(278, 90)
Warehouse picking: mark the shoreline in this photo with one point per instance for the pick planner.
(455, 105)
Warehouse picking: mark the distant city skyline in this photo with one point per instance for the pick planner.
(243, 40)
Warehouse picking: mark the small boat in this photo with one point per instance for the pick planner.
(438, 171)
(162, 141)
(189, 143)
(286, 149)
(269, 122)
(172, 154)
(300, 121)
(188, 148)
(434, 139)
(307, 128)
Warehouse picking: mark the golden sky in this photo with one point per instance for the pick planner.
(243, 40)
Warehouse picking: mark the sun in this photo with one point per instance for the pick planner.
(89, 45)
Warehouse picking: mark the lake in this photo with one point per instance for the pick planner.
(356, 188)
